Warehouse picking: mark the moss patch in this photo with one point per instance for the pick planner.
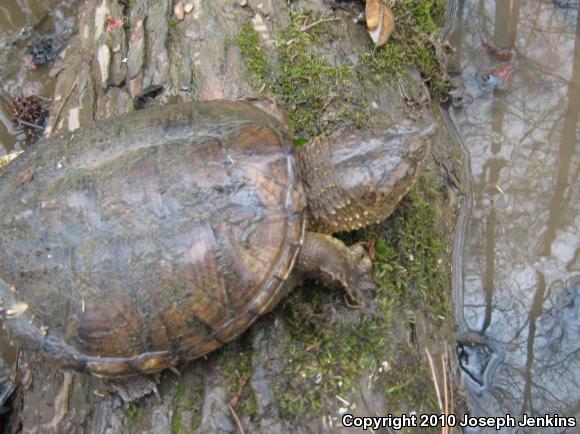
(412, 259)
(412, 45)
(306, 78)
(305, 82)
(132, 411)
(195, 401)
(334, 346)
(175, 31)
(236, 365)
(254, 56)
(176, 420)
(187, 404)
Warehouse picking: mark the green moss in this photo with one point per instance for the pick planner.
(327, 356)
(412, 269)
(305, 83)
(411, 45)
(175, 31)
(173, 23)
(413, 260)
(236, 365)
(176, 423)
(180, 392)
(306, 78)
(132, 410)
(176, 418)
(256, 61)
(188, 399)
(194, 401)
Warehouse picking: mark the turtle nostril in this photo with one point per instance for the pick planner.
(371, 198)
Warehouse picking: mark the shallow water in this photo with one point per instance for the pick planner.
(21, 21)
(517, 247)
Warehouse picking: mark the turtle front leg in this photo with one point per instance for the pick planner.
(329, 260)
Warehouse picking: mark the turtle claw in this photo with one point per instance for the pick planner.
(133, 388)
(361, 284)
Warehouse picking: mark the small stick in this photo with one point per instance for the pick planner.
(315, 23)
(59, 111)
(446, 398)
(352, 306)
(434, 379)
(344, 401)
(17, 367)
(29, 124)
(237, 419)
(452, 406)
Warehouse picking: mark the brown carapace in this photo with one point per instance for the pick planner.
(157, 236)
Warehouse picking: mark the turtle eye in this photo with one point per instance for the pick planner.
(421, 153)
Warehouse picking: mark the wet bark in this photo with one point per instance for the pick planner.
(194, 58)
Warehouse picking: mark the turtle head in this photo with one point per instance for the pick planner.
(368, 173)
(388, 164)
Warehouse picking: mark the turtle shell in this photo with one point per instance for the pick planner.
(151, 238)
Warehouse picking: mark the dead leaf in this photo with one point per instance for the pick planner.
(380, 21)
(5, 160)
(100, 393)
(370, 244)
(503, 54)
(25, 176)
(113, 23)
(16, 310)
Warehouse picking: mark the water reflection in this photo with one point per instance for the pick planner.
(21, 21)
(519, 285)
(519, 272)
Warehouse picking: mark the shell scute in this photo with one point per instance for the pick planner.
(166, 238)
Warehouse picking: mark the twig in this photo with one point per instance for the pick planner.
(315, 23)
(29, 124)
(446, 398)
(16, 372)
(59, 111)
(44, 98)
(343, 401)
(434, 376)
(241, 385)
(351, 305)
(237, 419)
(452, 406)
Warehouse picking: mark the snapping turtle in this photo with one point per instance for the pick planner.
(157, 236)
